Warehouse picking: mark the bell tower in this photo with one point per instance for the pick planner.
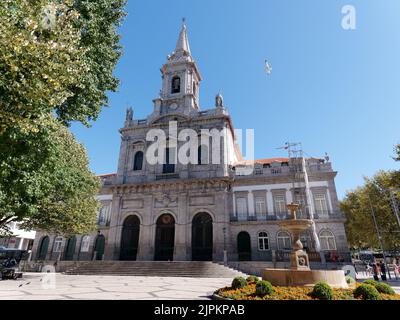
(180, 81)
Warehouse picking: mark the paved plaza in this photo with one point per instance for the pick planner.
(40, 286)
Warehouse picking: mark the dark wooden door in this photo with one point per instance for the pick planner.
(44, 246)
(165, 238)
(244, 246)
(130, 238)
(202, 237)
(99, 247)
(70, 249)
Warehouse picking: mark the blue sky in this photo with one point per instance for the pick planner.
(332, 89)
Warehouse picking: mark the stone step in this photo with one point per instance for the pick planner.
(154, 268)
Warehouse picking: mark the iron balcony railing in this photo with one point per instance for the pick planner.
(284, 216)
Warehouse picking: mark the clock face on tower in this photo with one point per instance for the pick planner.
(173, 106)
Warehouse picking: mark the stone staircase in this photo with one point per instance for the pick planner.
(196, 269)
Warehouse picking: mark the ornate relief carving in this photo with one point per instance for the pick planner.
(165, 201)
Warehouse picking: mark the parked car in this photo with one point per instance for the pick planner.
(9, 262)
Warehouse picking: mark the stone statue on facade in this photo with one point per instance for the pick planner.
(219, 101)
(129, 116)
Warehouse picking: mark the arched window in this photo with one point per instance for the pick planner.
(138, 161)
(176, 85)
(283, 240)
(85, 244)
(327, 240)
(57, 244)
(263, 243)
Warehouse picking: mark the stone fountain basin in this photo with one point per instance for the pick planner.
(298, 225)
(287, 277)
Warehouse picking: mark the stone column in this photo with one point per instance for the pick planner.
(250, 199)
(270, 203)
(147, 231)
(111, 250)
(234, 204)
(181, 224)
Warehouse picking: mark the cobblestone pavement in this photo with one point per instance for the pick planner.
(41, 286)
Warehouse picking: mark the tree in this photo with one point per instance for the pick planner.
(57, 57)
(98, 22)
(397, 151)
(44, 181)
(56, 64)
(360, 228)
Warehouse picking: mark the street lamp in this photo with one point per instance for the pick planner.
(225, 253)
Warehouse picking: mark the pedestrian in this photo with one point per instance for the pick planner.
(375, 271)
(383, 271)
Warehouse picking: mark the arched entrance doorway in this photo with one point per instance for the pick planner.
(202, 237)
(99, 247)
(244, 246)
(43, 247)
(130, 238)
(70, 249)
(165, 238)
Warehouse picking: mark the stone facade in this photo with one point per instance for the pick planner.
(196, 211)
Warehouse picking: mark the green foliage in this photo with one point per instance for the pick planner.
(380, 286)
(322, 291)
(366, 292)
(360, 228)
(251, 279)
(64, 67)
(38, 64)
(397, 152)
(45, 182)
(56, 60)
(371, 282)
(350, 280)
(239, 282)
(264, 288)
(98, 22)
(384, 288)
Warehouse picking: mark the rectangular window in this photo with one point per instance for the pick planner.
(241, 207)
(85, 244)
(57, 244)
(321, 206)
(263, 244)
(280, 204)
(300, 199)
(284, 243)
(260, 206)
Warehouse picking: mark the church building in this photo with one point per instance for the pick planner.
(210, 210)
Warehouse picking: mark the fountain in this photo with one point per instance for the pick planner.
(299, 273)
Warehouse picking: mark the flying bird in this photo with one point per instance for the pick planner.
(268, 68)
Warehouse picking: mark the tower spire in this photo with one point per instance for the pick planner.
(182, 45)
